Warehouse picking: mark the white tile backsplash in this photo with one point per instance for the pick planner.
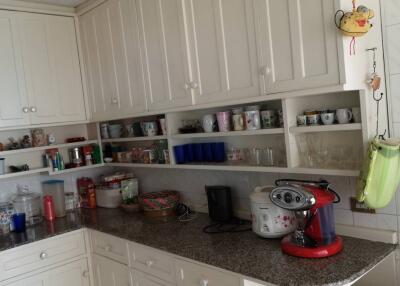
(343, 216)
(376, 221)
(393, 48)
(392, 11)
(395, 95)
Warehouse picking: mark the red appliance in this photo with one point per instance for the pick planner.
(312, 201)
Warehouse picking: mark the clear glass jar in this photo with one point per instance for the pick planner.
(30, 204)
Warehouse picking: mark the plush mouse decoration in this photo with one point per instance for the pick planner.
(355, 23)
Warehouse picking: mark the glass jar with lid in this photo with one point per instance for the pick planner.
(30, 204)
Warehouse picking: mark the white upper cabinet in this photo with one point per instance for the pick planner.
(165, 53)
(297, 41)
(110, 37)
(51, 68)
(12, 85)
(223, 50)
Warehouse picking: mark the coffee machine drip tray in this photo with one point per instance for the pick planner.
(289, 246)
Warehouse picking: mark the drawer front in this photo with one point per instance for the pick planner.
(109, 246)
(152, 262)
(191, 274)
(40, 254)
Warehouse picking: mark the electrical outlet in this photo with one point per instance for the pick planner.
(356, 206)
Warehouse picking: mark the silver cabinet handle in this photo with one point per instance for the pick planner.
(85, 273)
(203, 282)
(114, 101)
(186, 86)
(43, 255)
(266, 70)
(107, 248)
(33, 109)
(149, 263)
(25, 109)
(193, 85)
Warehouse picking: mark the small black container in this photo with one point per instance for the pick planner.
(219, 203)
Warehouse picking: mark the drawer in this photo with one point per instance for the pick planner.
(109, 246)
(152, 262)
(191, 274)
(40, 254)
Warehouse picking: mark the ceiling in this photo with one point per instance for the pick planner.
(67, 3)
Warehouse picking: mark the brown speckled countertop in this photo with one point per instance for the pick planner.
(243, 253)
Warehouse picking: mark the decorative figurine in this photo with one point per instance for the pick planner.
(13, 145)
(26, 142)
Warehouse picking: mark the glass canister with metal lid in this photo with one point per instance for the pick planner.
(30, 204)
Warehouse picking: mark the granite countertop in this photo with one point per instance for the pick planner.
(243, 253)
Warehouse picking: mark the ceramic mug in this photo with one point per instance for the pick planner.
(163, 125)
(343, 115)
(328, 118)
(268, 118)
(224, 121)
(252, 119)
(301, 120)
(313, 119)
(238, 122)
(149, 128)
(356, 114)
(209, 123)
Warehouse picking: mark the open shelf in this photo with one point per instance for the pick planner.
(325, 128)
(42, 148)
(230, 133)
(66, 171)
(25, 173)
(134, 139)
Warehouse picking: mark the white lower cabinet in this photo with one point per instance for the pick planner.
(191, 274)
(74, 273)
(107, 272)
(142, 279)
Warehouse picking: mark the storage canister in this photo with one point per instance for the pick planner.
(55, 188)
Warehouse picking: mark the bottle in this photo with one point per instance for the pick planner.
(48, 207)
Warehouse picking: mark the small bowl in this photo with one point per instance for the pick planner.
(108, 160)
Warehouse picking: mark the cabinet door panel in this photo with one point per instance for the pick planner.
(75, 273)
(164, 53)
(41, 279)
(12, 83)
(110, 273)
(223, 49)
(38, 72)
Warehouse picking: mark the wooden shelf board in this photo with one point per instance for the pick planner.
(25, 173)
(134, 139)
(43, 148)
(230, 133)
(326, 128)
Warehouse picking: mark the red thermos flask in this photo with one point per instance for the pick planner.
(48, 208)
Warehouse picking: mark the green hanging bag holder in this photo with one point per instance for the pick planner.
(380, 174)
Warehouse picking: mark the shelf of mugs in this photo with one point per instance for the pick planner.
(325, 128)
(48, 147)
(230, 133)
(134, 139)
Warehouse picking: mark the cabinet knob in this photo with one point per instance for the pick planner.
(43, 255)
(186, 86)
(203, 282)
(33, 109)
(149, 263)
(193, 85)
(85, 273)
(114, 101)
(107, 248)
(266, 70)
(25, 109)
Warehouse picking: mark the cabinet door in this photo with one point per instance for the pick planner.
(51, 68)
(110, 273)
(75, 273)
(12, 84)
(110, 37)
(165, 53)
(297, 44)
(223, 49)
(141, 279)
(190, 274)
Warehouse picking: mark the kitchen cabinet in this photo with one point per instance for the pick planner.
(223, 50)
(165, 53)
(13, 96)
(110, 37)
(110, 273)
(191, 274)
(51, 68)
(141, 279)
(75, 273)
(298, 47)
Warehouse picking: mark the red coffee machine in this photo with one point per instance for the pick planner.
(312, 202)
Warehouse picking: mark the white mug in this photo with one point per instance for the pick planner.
(209, 123)
(343, 115)
(253, 121)
(328, 118)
